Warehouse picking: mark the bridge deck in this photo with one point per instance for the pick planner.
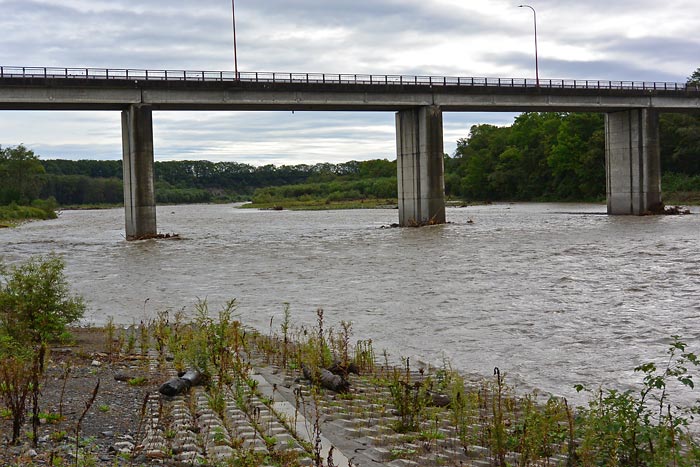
(26, 88)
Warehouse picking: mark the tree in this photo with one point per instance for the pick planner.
(577, 159)
(35, 302)
(21, 175)
(694, 78)
(35, 307)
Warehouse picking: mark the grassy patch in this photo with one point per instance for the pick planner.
(14, 214)
(322, 204)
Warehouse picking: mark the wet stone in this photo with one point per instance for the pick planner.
(402, 463)
(221, 452)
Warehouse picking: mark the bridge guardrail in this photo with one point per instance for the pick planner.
(326, 78)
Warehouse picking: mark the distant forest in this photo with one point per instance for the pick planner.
(541, 156)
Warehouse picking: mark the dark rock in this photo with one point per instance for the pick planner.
(122, 376)
(326, 379)
(181, 384)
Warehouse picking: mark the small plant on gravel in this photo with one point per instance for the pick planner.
(79, 424)
(409, 398)
(270, 442)
(110, 337)
(130, 340)
(324, 354)
(66, 369)
(216, 400)
(402, 453)
(58, 436)
(161, 332)
(498, 428)
(541, 430)
(464, 406)
(344, 340)
(285, 334)
(144, 338)
(137, 381)
(364, 356)
(15, 386)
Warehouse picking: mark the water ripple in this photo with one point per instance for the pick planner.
(553, 294)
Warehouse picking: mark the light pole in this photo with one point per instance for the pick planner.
(537, 66)
(235, 55)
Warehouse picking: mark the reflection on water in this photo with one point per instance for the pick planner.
(552, 294)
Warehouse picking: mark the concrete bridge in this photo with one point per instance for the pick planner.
(631, 119)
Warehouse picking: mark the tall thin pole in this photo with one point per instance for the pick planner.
(235, 54)
(537, 66)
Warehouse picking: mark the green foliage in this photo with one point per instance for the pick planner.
(680, 143)
(35, 308)
(555, 156)
(40, 209)
(35, 302)
(645, 429)
(20, 175)
(695, 78)
(676, 182)
(169, 195)
(409, 398)
(541, 156)
(99, 182)
(338, 190)
(138, 381)
(16, 381)
(542, 429)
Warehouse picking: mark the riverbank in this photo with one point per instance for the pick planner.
(13, 215)
(322, 204)
(266, 402)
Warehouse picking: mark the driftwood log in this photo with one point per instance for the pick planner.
(439, 400)
(326, 379)
(343, 369)
(180, 384)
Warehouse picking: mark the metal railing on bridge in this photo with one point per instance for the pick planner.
(326, 78)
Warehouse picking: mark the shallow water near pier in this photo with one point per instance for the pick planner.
(552, 294)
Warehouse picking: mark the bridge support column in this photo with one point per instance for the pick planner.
(632, 161)
(420, 166)
(139, 190)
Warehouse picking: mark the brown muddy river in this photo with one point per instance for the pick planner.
(553, 294)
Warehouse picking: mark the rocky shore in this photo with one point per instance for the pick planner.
(258, 408)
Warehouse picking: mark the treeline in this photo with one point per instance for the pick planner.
(559, 156)
(24, 177)
(541, 156)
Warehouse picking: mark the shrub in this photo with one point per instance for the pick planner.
(35, 303)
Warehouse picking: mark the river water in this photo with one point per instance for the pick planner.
(552, 294)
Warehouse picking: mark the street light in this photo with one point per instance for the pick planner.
(537, 67)
(235, 55)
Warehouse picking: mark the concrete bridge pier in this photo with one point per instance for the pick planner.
(420, 166)
(633, 162)
(139, 190)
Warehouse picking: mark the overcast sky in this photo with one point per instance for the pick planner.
(619, 40)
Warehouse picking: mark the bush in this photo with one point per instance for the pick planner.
(645, 429)
(35, 303)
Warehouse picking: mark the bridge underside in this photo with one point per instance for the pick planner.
(632, 156)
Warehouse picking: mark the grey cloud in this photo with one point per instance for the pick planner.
(551, 68)
(184, 34)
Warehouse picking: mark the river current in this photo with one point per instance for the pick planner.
(552, 294)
